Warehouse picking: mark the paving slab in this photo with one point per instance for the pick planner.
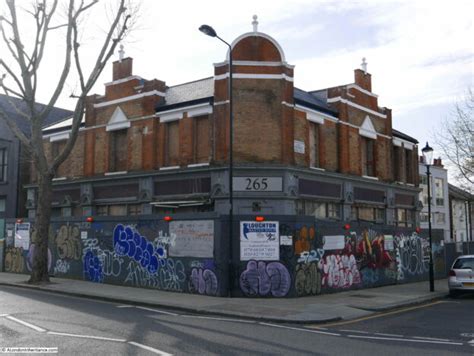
(323, 308)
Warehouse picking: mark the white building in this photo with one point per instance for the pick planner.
(440, 212)
(461, 224)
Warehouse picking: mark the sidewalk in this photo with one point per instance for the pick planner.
(318, 309)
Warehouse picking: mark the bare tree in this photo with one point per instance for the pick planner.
(456, 139)
(20, 64)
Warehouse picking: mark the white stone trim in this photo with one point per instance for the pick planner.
(169, 168)
(367, 133)
(194, 165)
(118, 126)
(60, 136)
(172, 116)
(362, 90)
(317, 169)
(398, 142)
(129, 98)
(221, 102)
(317, 119)
(357, 106)
(177, 114)
(59, 179)
(123, 80)
(253, 76)
(370, 177)
(256, 63)
(206, 110)
(287, 104)
(367, 129)
(115, 173)
(316, 113)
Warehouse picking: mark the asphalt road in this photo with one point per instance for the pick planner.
(78, 326)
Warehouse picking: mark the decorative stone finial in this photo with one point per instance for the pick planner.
(121, 53)
(255, 23)
(363, 65)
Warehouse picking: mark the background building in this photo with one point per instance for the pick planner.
(461, 203)
(440, 207)
(14, 161)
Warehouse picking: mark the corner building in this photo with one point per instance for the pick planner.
(146, 148)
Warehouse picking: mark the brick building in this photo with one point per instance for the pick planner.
(146, 148)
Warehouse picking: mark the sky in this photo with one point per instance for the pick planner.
(420, 53)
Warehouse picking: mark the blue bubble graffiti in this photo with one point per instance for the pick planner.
(128, 242)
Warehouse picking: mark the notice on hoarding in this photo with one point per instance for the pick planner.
(388, 242)
(286, 240)
(192, 238)
(259, 241)
(333, 242)
(22, 236)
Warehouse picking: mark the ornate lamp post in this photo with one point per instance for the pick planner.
(428, 160)
(209, 31)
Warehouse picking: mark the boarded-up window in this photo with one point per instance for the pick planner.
(201, 139)
(172, 144)
(367, 146)
(56, 148)
(397, 163)
(314, 144)
(3, 164)
(409, 166)
(118, 151)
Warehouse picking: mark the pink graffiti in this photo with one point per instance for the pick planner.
(340, 271)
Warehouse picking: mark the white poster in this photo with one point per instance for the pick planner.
(83, 235)
(388, 242)
(334, 242)
(22, 236)
(259, 241)
(192, 238)
(286, 240)
(298, 146)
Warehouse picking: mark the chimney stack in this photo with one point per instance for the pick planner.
(122, 68)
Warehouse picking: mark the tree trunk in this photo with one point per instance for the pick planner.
(39, 271)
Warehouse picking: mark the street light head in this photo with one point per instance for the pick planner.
(427, 154)
(208, 30)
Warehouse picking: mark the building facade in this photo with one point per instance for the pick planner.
(440, 207)
(14, 162)
(147, 148)
(461, 204)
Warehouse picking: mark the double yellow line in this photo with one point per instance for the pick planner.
(378, 315)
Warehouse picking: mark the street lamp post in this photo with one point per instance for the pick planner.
(209, 31)
(428, 160)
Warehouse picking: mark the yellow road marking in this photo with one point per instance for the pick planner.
(378, 315)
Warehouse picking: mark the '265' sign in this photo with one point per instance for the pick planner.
(258, 184)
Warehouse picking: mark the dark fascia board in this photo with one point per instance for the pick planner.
(459, 193)
(316, 107)
(399, 134)
(161, 108)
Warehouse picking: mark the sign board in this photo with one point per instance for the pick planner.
(388, 242)
(259, 241)
(258, 184)
(334, 242)
(298, 146)
(22, 236)
(83, 235)
(192, 238)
